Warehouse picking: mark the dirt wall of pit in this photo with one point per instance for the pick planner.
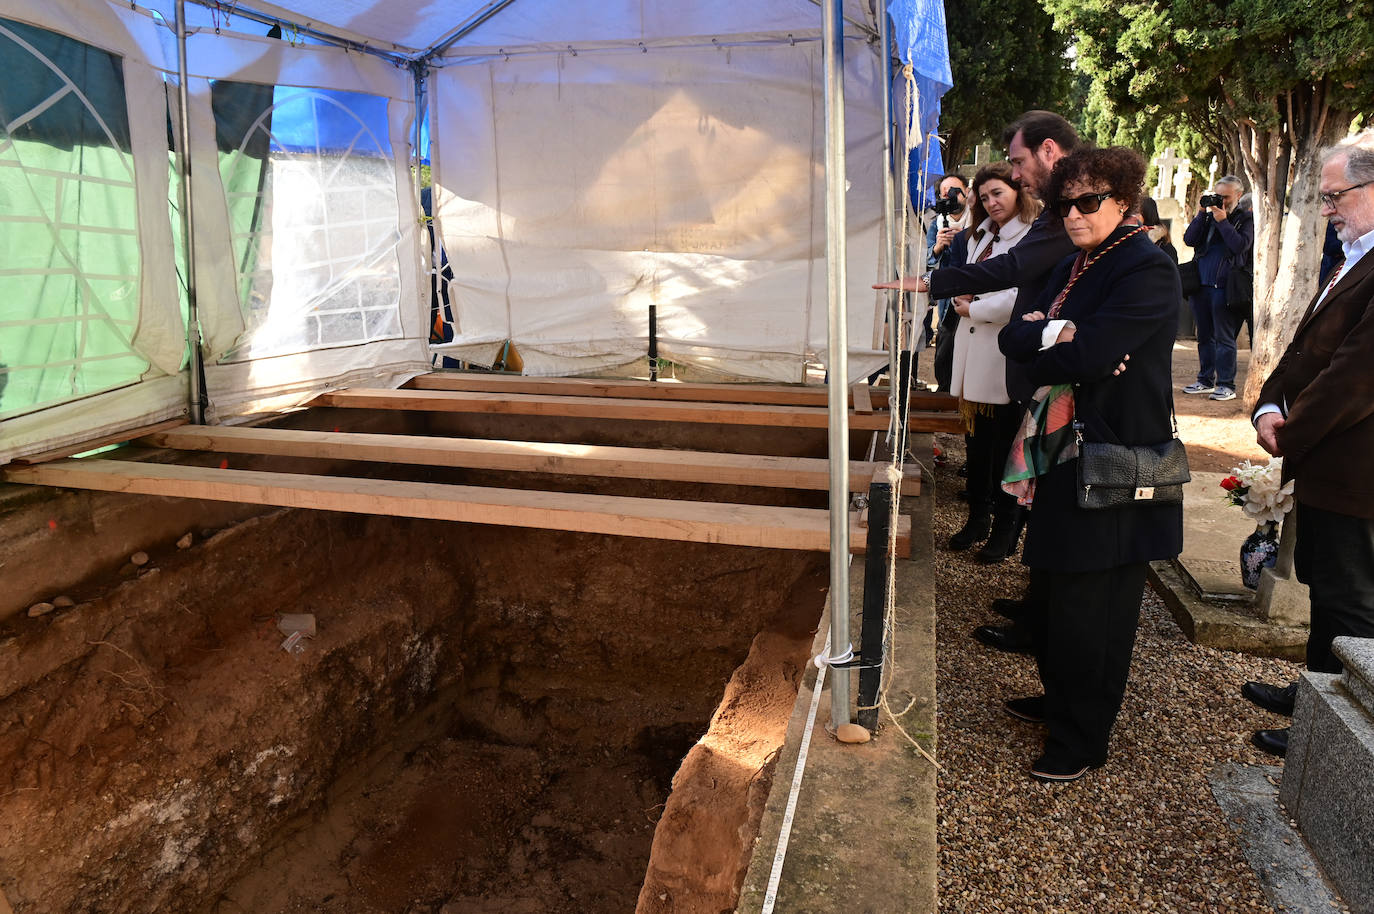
(161, 751)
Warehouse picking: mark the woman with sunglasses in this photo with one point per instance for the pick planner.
(1100, 345)
(1001, 213)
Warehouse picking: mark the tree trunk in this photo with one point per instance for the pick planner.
(1288, 240)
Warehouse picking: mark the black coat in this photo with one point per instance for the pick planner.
(1124, 304)
(1027, 267)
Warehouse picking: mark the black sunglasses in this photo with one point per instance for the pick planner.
(1087, 204)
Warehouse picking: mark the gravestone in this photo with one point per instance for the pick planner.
(1328, 776)
(1183, 178)
(1167, 163)
(982, 155)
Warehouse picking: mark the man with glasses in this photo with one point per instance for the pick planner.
(1317, 412)
(1223, 236)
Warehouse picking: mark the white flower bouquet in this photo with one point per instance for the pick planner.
(1260, 491)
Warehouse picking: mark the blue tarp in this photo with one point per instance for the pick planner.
(918, 29)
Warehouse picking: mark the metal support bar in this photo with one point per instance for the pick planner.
(653, 341)
(838, 345)
(863, 27)
(893, 256)
(429, 249)
(188, 236)
(464, 29)
(880, 505)
(309, 32)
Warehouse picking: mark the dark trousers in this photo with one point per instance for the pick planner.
(987, 455)
(1083, 641)
(1334, 557)
(1216, 337)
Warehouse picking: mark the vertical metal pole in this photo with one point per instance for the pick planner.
(188, 235)
(838, 342)
(431, 262)
(894, 297)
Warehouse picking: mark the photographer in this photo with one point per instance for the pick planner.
(951, 218)
(1223, 235)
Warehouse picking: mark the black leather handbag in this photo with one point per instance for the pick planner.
(1112, 475)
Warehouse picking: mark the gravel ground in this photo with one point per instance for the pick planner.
(1141, 834)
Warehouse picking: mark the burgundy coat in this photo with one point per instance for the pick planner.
(1326, 380)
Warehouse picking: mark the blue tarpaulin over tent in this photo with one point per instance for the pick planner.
(918, 28)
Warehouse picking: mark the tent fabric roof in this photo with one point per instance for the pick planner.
(411, 27)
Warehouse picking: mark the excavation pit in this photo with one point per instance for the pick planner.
(488, 719)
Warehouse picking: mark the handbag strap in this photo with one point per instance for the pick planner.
(1084, 404)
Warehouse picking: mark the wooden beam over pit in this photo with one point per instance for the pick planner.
(630, 389)
(623, 409)
(524, 456)
(699, 522)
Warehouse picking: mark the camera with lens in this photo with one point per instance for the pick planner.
(949, 204)
(1210, 200)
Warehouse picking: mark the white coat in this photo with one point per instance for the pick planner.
(980, 369)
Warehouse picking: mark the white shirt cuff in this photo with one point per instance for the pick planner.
(1265, 408)
(1051, 333)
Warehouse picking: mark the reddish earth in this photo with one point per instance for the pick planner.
(490, 719)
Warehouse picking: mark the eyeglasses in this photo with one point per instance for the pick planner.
(1334, 197)
(1087, 204)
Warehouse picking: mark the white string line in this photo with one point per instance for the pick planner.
(770, 896)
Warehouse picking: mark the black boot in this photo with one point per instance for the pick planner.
(975, 530)
(1006, 534)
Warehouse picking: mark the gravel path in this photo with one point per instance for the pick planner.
(1142, 833)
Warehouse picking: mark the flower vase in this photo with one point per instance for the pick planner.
(1259, 551)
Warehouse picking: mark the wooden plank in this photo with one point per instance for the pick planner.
(516, 456)
(603, 408)
(860, 399)
(921, 400)
(630, 389)
(700, 522)
(103, 441)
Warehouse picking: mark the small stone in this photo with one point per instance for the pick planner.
(139, 558)
(63, 602)
(852, 733)
(185, 542)
(40, 609)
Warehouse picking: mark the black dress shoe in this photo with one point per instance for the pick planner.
(1012, 609)
(1275, 742)
(1278, 699)
(1010, 638)
(1057, 771)
(1031, 709)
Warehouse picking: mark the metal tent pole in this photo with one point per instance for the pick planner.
(838, 343)
(894, 297)
(188, 235)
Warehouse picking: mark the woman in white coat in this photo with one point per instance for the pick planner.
(1002, 211)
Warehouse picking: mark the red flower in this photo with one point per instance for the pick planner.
(1230, 482)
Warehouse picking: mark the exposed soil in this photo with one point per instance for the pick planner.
(1218, 433)
(489, 719)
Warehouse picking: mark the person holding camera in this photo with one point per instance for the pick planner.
(951, 220)
(1222, 234)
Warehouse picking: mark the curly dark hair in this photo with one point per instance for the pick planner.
(1116, 168)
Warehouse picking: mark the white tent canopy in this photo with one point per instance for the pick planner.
(590, 161)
